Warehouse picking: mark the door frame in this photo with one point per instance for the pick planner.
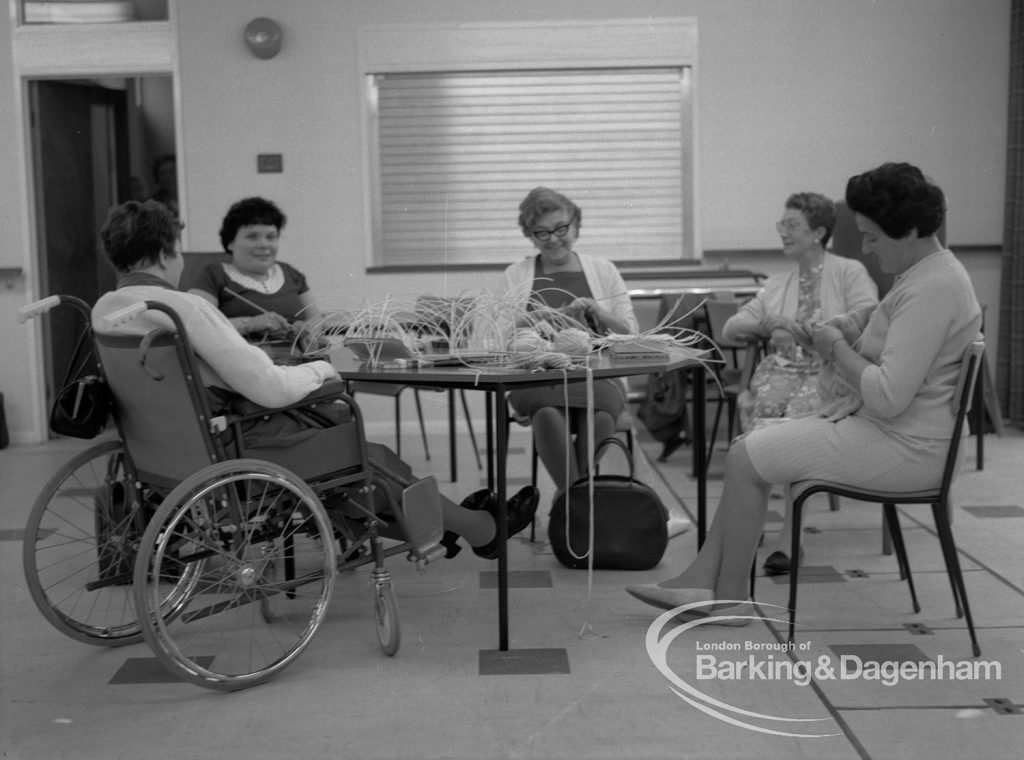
(129, 50)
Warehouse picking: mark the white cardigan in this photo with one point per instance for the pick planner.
(227, 360)
(845, 286)
(603, 278)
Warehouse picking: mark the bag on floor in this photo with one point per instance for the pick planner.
(630, 531)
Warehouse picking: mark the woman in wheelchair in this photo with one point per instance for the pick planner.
(142, 242)
(903, 370)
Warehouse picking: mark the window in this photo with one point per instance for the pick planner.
(454, 150)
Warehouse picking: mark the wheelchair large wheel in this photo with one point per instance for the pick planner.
(266, 546)
(80, 545)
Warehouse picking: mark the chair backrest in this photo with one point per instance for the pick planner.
(683, 311)
(718, 314)
(195, 261)
(160, 406)
(962, 397)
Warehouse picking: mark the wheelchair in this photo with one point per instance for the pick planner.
(221, 555)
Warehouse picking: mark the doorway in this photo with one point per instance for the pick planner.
(94, 143)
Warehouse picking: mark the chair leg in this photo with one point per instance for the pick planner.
(794, 567)
(731, 418)
(423, 427)
(953, 568)
(979, 415)
(714, 434)
(952, 580)
(893, 522)
(533, 482)
(398, 425)
(472, 434)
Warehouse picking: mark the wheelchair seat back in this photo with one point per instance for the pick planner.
(158, 407)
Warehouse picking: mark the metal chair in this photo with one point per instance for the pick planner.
(937, 497)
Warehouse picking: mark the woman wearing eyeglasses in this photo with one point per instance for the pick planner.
(820, 287)
(904, 366)
(592, 292)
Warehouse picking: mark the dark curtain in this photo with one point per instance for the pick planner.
(1010, 367)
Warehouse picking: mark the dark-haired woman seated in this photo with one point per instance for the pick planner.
(141, 241)
(903, 367)
(258, 293)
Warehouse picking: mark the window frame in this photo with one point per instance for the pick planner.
(525, 46)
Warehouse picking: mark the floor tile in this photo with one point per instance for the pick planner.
(1003, 510)
(518, 579)
(523, 662)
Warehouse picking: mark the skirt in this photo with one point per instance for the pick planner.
(852, 450)
(608, 397)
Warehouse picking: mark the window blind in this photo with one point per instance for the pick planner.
(457, 151)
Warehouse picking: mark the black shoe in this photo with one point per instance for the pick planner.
(777, 563)
(669, 446)
(450, 542)
(519, 509)
(477, 499)
(450, 539)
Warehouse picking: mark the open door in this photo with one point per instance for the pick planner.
(80, 145)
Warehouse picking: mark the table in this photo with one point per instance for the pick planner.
(496, 382)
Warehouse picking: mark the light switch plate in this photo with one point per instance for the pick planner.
(269, 163)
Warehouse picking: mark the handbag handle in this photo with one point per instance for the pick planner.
(612, 441)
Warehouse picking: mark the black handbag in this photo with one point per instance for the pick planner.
(630, 522)
(83, 404)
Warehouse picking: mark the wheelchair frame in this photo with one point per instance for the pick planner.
(220, 558)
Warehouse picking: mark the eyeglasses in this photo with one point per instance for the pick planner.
(560, 232)
(790, 225)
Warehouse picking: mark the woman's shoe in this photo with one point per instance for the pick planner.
(519, 512)
(777, 563)
(722, 615)
(477, 499)
(450, 542)
(670, 598)
(669, 446)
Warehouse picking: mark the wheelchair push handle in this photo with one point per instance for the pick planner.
(44, 305)
(127, 314)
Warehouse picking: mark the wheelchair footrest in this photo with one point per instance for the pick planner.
(424, 524)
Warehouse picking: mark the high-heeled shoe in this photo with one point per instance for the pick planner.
(670, 598)
(450, 542)
(519, 512)
(722, 615)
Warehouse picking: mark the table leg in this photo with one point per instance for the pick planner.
(700, 469)
(500, 457)
(489, 415)
(452, 464)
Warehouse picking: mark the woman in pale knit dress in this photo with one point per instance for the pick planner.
(904, 366)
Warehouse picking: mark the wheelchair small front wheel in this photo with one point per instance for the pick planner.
(265, 547)
(389, 630)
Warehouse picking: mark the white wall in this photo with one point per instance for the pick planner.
(791, 95)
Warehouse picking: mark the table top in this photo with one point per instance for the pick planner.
(599, 365)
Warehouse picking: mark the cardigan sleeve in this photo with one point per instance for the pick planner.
(227, 359)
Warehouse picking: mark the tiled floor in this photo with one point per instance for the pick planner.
(578, 681)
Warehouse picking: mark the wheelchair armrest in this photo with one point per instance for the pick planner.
(332, 390)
